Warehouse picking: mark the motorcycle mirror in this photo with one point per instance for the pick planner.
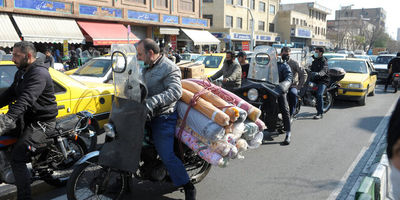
(118, 61)
(262, 59)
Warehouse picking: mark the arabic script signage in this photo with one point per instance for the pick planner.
(99, 11)
(1, 3)
(305, 33)
(241, 36)
(170, 19)
(194, 22)
(264, 38)
(42, 5)
(143, 16)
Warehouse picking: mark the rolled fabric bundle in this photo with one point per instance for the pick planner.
(206, 108)
(222, 147)
(242, 115)
(256, 141)
(253, 112)
(241, 145)
(200, 123)
(215, 100)
(261, 125)
(201, 149)
(238, 129)
(250, 130)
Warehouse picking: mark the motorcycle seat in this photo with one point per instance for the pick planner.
(66, 123)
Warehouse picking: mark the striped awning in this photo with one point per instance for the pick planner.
(8, 35)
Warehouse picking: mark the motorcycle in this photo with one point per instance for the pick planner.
(128, 151)
(395, 81)
(308, 94)
(51, 161)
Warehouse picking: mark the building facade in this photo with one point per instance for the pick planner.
(376, 16)
(231, 21)
(303, 24)
(157, 19)
(398, 34)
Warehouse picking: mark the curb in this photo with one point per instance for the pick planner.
(9, 192)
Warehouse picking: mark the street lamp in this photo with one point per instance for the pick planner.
(253, 39)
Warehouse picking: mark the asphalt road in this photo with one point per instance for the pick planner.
(314, 166)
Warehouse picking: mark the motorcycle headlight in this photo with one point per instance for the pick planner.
(311, 84)
(354, 85)
(109, 130)
(252, 94)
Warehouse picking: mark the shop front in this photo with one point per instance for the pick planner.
(197, 41)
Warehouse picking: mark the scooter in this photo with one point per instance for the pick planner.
(395, 81)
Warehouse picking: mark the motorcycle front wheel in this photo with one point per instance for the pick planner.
(328, 102)
(90, 180)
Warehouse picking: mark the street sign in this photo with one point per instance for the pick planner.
(245, 46)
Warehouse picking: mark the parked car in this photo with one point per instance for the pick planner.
(189, 57)
(359, 81)
(72, 96)
(212, 62)
(381, 65)
(373, 58)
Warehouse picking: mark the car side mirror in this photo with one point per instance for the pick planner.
(374, 73)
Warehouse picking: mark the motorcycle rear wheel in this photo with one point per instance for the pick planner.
(90, 180)
(328, 102)
(196, 167)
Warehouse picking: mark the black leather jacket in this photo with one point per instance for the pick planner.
(320, 66)
(394, 64)
(285, 76)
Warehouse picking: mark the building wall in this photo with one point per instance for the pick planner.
(118, 11)
(374, 14)
(398, 34)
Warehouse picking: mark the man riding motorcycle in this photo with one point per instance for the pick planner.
(393, 67)
(319, 75)
(231, 71)
(163, 80)
(285, 80)
(299, 78)
(32, 111)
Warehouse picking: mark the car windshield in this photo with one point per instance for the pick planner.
(383, 59)
(185, 56)
(350, 66)
(94, 68)
(209, 61)
(7, 73)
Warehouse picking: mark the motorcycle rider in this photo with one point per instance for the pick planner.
(393, 67)
(319, 75)
(299, 78)
(285, 80)
(231, 71)
(32, 111)
(163, 81)
(243, 63)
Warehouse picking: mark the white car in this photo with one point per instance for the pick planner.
(381, 64)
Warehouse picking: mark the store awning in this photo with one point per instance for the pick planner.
(106, 33)
(169, 31)
(8, 35)
(48, 29)
(201, 37)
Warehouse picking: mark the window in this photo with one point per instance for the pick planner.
(271, 27)
(7, 74)
(272, 9)
(230, 2)
(239, 21)
(240, 2)
(210, 17)
(187, 5)
(293, 21)
(58, 89)
(135, 1)
(253, 4)
(309, 13)
(297, 21)
(162, 3)
(261, 25)
(316, 30)
(208, 1)
(261, 6)
(229, 21)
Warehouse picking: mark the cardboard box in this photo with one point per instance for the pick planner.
(192, 70)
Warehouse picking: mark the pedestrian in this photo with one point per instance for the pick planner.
(299, 78)
(393, 151)
(231, 72)
(163, 80)
(243, 63)
(31, 113)
(49, 60)
(319, 75)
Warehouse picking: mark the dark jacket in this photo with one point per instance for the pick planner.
(299, 74)
(285, 76)
(31, 95)
(320, 66)
(233, 74)
(394, 64)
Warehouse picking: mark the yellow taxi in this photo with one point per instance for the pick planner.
(359, 81)
(212, 62)
(72, 96)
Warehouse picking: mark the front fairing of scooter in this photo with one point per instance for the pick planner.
(263, 65)
(128, 113)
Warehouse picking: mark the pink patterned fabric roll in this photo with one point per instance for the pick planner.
(260, 124)
(253, 112)
(201, 149)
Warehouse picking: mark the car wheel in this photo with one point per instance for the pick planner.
(372, 93)
(363, 100)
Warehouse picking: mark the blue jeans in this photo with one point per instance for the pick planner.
(292, 100)
(320, 100)
(163, 131)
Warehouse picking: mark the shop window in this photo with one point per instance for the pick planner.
(210, 17)
(229, 21)
(261, 6)
(272, 9)
(239, 22)
(261, 25)
(161, 3)
(271, 27)
(187, 5)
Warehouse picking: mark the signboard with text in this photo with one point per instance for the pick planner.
(43, 5)
(303, 33)
(1, 3)
(99, 11)
(245, 46)
(194, 22)
(143, 16)
(170, 19)
(173, 42)
(240, 36)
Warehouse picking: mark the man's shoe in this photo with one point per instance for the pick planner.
(190, 194)
(287, 139)
(318, 116)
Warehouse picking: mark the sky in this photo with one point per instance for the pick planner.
(390, 6)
